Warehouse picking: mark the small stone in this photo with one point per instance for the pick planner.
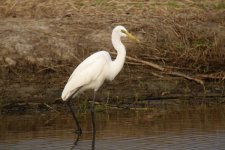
(10, 61)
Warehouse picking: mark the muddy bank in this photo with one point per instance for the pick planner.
(39, 92)
(41, 43)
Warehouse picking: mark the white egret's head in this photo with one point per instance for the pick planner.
(121, 31)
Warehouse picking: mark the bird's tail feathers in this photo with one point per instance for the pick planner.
(68, 95)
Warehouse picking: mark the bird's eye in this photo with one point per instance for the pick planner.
(123, 31)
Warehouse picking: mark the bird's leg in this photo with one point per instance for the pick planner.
(78, 131)
(93, 121)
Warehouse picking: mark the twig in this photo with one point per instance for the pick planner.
(179, 68)
(155, 66)
(133, 63)
(51, 108)
(47, 68)
(52, 67)
(151, 58)
(216, 76)
(157, 75)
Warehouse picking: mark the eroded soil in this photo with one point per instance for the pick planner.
(41, 43)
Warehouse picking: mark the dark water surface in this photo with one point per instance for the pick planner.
(181, 128)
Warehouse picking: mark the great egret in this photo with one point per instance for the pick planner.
(93, 71)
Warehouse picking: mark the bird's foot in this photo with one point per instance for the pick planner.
(78, 132)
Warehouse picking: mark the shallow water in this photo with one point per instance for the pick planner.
(185, 127)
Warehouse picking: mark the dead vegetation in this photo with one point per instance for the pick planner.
(184, 33)
(182, 37)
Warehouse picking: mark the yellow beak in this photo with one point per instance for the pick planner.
(130, 36)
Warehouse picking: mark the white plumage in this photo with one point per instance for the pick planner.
(98, 67)
(92, 72)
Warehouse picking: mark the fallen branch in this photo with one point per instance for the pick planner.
(165, 71)
(185, 76)
(213, 76)
(155, 66)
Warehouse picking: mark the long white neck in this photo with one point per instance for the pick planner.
(118, 63)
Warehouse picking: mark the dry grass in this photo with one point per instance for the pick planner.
(52, 8)
(187, 34)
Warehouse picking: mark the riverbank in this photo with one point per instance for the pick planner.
(41, 42)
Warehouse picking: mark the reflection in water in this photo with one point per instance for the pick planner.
(185, 127)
